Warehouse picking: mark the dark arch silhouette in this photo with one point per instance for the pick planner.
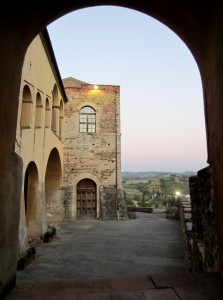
(197, 23)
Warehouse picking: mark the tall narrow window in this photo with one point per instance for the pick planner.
(87, 119)
(61, 121)
(47, 114)
(39, 111)
(55, 112)
(26, 113)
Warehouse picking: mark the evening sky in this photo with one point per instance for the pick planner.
(162, 114)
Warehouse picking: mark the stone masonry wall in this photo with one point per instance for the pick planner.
(112, 203)
(108, 208)
(186, 222)
(59, 204)
(97, 153)
(204, 242)
(94, 152)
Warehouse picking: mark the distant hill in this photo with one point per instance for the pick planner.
(153, 186)
(153, 174)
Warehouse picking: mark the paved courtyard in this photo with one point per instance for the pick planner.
(139, 259)
(91, 249)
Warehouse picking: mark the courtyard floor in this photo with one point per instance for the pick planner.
(141, 258)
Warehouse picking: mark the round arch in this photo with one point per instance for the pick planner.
(47, 113)
(53, 169)
(77, 179)
(61, 121)
(86, 103)
(55, 96)
(55, 111)
(197, 23)
(31, 200)
(96, 108)
(53, 177)
(187, 20)
(26, 110)
(39, 111)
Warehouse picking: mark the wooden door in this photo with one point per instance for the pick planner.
(86, 199)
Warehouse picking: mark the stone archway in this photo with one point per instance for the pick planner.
(52, 185)
(32, 213)
(95, 184)
(198, 25)
(86, 199)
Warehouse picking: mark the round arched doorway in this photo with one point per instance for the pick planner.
(54, 209)
(32, 212)
(86, 199)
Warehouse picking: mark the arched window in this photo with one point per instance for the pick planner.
(26, 113)
(61, 121)
(55, 112)
(39, 111)
(47, 114)
(87, 119)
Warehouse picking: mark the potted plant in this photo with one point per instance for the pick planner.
(26, 258)
(50, 234)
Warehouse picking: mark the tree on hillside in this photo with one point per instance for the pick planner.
(144, 189)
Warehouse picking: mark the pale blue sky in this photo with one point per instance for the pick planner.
(162, 115)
